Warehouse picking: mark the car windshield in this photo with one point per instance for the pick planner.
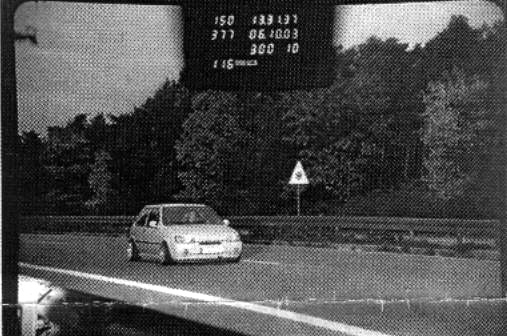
(190, 215)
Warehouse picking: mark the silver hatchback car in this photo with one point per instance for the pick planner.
(182, 232)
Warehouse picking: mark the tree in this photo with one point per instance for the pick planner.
(142, 145)
(100, 183)
(465, 94)
(67, 158)
(33, 176)
(96, 132)
(462, 138)
(357, 135)
(231, 153)
(211, 141)
(477, 52)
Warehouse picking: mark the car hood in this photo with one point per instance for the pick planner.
(201, 232)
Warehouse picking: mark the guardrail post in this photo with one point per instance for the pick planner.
(459, 240)
(336, 234)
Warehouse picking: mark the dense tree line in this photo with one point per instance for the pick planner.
(107, 164)
(422, 122)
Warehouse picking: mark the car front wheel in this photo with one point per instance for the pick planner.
(132, 252)
(164, 256)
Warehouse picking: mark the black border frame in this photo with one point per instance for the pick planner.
(10, 145)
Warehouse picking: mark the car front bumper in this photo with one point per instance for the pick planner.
(195, 251)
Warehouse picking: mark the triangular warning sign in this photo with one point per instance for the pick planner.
(298, 175)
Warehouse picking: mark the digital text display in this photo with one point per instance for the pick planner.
(256, 46)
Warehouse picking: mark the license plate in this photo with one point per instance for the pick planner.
(211, 249)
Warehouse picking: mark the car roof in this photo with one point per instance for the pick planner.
(175, 205)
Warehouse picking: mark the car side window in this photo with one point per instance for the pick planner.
(165, 217)
(142, 220)
(153, 217)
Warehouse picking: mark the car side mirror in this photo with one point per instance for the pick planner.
(227, 222)
(152, 223)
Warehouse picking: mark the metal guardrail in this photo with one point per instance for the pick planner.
(391, 232)
(415, 225)
(449, 237)
(452, 237)
(60, 224)
(393, 225)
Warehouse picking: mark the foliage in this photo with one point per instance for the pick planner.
(141, 168)
(100, 183)
(460, 134)
(463, 120)
(33, 176)
(355, 135)
(67, 157)
(394, 117)
(230, 151)
(142, 143)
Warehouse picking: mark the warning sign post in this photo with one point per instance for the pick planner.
(298, 178)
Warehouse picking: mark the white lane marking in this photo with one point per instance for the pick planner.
(263, 262)
(284, 314)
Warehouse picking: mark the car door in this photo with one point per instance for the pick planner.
(139, 231)
(153, 235)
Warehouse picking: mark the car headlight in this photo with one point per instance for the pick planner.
(184, 239)
(233, 237)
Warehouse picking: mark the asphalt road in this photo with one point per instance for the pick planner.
(285, 290)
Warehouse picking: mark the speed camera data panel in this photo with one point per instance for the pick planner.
(258, 45)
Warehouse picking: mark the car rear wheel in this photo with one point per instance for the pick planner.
(132, 252)
(236, 260)
(164, 256)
